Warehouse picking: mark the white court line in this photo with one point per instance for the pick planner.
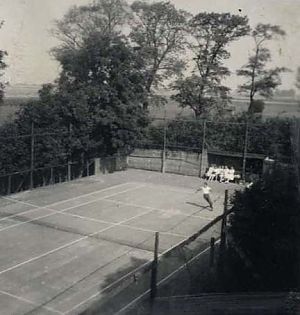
(133, 272)
(125, 276)
(156, 209)
(30, 302)
(116, 223)
(68, 244)
(162, 281)
(57, 211)
(36, 208)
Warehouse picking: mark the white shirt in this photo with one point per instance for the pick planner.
(206, 190)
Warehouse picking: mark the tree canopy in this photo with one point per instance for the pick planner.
(261, 80)
(265, 225)
(2, 67)
(159, 32)
(211, 34)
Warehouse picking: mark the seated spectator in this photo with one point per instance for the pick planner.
(213, 174)
(221, 174)
(209, 172)
(229, 175)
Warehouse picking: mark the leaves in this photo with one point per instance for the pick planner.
(158, 30)
(203, 92)
(260, 80)
(265, 227)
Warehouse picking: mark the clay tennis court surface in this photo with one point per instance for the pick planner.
(62, 246)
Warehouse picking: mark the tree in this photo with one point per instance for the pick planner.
(260, 80)
(211, 34)
(101, 89)
(158, 31)
(265, 226)
(103, 16)
(2, 67)
(298, 79)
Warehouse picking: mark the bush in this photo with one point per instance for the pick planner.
(265, 226)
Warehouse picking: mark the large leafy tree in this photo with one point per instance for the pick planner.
(101, 88)
(158, 32)
(261, 80)
(211, 35)
(2, 67)
(265, 226)
(104, 16)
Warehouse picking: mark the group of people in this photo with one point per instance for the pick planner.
(223, 174)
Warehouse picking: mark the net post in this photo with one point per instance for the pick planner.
(153, 288)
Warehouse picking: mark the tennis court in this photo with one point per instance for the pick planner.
(63, 245)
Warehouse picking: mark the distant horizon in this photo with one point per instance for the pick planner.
(25, 35)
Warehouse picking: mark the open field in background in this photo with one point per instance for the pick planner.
(282, 108)
(66, 244)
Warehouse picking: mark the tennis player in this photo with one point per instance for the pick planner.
(206, 194)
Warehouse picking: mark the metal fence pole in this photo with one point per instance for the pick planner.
(212, 252)
(8, 184)
(203, 147)
(32, 156)
(245, 150)
(223, 233)
(69, 153)
(154, 268)
(163, 162)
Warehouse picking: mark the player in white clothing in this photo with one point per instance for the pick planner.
(206, 194)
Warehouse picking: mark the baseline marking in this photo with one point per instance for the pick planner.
(36, 208)
(57, 211)
(67, 245)
(30, 302)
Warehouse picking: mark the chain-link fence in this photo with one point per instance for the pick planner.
(189, 146)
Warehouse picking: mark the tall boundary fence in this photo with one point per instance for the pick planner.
(188, 147)
(144, 282)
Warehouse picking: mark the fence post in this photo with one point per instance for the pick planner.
(153, 288)
(223, 234)
(32, 156)
(212, 252)
(203, 147)
(87, 168)
(163, 162)
(69, 162)
(51, 176)
(9, 184)
(245, 150)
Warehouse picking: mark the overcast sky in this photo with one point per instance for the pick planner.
(25, 34)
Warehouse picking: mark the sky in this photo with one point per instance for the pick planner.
(26, 36)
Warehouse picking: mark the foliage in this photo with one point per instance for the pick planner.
(211, 34)
(298, 78)
(158, 30)
(2, 67)
(270, 137)
(99, 95)
(265, 227)
(260, 80)
(103, 16)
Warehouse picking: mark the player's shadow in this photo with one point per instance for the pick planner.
(197, 205)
